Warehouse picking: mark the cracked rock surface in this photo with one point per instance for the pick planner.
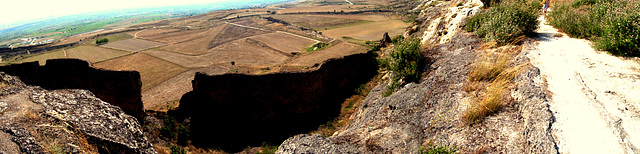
(64, 121)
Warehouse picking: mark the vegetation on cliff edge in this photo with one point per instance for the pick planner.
(406, 63)
(506, 21)
(613, 25)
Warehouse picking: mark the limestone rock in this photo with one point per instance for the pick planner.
(67, 121)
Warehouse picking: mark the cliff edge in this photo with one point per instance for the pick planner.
(428, 113)
(35, 120)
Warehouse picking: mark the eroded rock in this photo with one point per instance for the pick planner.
(66, 121)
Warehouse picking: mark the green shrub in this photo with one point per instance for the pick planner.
(167, 129)
(406, 59)
(506, 22)
(267, 149)
(397, 39)
(433, 149)
(613, 25)
(176, 149)
(406, 62)
(318, 46)
(102, 41)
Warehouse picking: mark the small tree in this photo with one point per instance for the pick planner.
(102, 41)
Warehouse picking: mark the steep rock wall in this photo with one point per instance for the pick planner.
(232, 111)
(120, 88)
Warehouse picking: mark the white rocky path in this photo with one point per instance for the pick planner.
(595, 96)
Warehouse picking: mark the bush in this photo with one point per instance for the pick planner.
(397, 39)
(167, 128)
(406, 62)
(318, 46)
(406, 59)
(102, 41)
(267, 149)
(176, 149)
(506, 22)
(613, 25)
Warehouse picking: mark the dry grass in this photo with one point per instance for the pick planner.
(489, 82)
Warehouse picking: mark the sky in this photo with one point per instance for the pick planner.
(21, 10)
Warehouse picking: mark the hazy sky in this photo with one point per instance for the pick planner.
(19, 10)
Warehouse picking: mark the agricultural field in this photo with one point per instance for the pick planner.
(196, 46)
(42, 58)
(89, 53)
(159, 96)
(326, 8)
(234, 32)
(285, 42)
(112, 38)
(335, 51)
(175, 36)
(369, 31)
(243, 53)
(150, 32)
(133, 45)
(93, 54)
(183, 60)
(316, 22)
(152, 70)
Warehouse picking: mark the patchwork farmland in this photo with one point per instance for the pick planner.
(133, 45)
(168, 53)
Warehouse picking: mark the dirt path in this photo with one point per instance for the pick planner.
(136, 34)
(594, 95)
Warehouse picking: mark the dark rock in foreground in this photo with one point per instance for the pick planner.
(66, 121)
(120, 88)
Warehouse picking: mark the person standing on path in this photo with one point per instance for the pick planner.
(546, 6)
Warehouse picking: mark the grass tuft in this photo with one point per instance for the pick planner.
(490, 80)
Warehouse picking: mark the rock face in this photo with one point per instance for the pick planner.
(385, 40)
(232, 111)
(120, 88)
(430, 112)
(66, 121)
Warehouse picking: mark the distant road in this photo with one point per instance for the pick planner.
(349, 2)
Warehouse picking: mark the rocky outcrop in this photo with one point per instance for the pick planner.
(384, 42)
(66, 121)
(232, 111)
(430, 112)
(120, 88)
